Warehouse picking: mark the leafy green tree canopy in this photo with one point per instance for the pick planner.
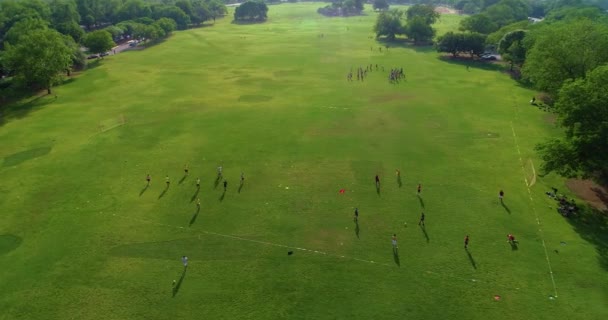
(583, 112)
(99, 41)
(39, 57)
(564, 50)
(388, 24)
(479, 23)
(424, 11)
(251, 11)
(380, 5)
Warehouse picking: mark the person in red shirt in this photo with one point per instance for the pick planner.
(510, 238)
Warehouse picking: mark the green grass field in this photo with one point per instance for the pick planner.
(82, 238)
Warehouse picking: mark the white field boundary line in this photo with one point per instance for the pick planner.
(205, 232)
(540, 230)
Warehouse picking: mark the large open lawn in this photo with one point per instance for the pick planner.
(81, 237)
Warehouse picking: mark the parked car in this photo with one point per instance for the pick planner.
(489, 57)
(93, 56)
(103, 54)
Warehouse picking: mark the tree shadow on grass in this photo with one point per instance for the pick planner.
(403, 43)
(179, 283)
(471, 259)
(592, 225)
(22, 109)
(476, 64)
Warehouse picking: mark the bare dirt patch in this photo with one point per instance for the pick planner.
(390, 97)
(594, 194)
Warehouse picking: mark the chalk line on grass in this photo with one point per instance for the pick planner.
(256, 241)
(542, 237)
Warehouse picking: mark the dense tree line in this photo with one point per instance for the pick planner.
(342, 8)
(565, 57)
(417, 27)
(251, 11)
(41, 39)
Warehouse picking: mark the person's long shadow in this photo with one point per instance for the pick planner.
(399, 181)
(357, 228)
(143, 190)
(513, 245)
(506, 208)
(396, 256)
(425, 234)
(164, 192)
(195, 194)
(421, 201)
(198, 209)
(222, 196)
(179, 283)
(471, 259)
(183, 178)
(240, 187)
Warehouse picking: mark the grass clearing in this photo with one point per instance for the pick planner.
(83, 238)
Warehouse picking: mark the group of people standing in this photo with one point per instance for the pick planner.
(394, 76)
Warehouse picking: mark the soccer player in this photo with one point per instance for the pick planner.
(377, 181)
(167, 180)
(198, 182)
(186, 169)
(356, 217)
(198, 202)
(419, 189)
(394, 241)
(242, 177)
(148, 178)
(421, 222)
(510, 238)
(185, 261)
(398, 173)
(219, 171)
(501, 195)
(466, 241)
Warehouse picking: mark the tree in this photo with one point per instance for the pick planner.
(479, 23)
(564, 50)
(508, 11)
(39, 57)
(582, 106)
(456, 43)
(381, 5)
(419, 30)
(133, 9)
(427, 12)
(388, 24)
(450, 42)
(24, 27)
(166, 24)
(494, 37)
(178, 15)
(217, 9)
(99, 41)
(251, 11)
(512, 49)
